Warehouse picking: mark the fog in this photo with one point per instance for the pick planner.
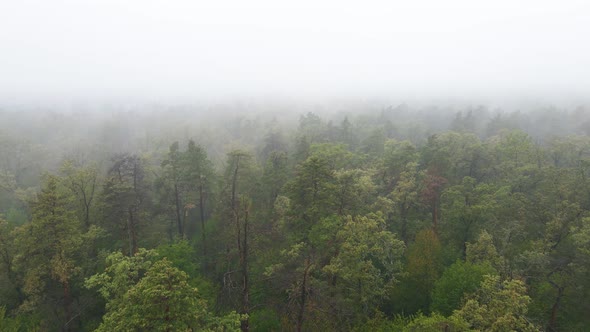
(66, 50)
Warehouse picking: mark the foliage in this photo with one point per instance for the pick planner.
(148, 294)
(497, 306)
(424, 265)
(457, 280)
(436, 323)
(367, 264)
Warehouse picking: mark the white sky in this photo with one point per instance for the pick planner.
(199, 49)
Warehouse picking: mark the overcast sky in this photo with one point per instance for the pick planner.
(200, 49)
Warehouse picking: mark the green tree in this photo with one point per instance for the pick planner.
(294, 276)
(161, 301)
(366, 266)
(405, 199)
(275, 175)
(82, 181)
(11, 292)
(311, 193)
(354, 191)
(436, 323)
(468, 206)
(556, 266)
(452, 155)
(125, 198)
(396, 156)
(171, 167)
(50, 248)
(144, 292)
(457, 280)
(199, 177)
(424, 266)
(497, 306)
(483, 251)
(240, 183)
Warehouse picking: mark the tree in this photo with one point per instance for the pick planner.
(125, 198)
(364, 269)
(511, 151)
(237, 212)
(453, 156)
(311, 193)
(468, 206)
(556, 265)
(397, 156)
(172, 175)
(82, 182)
(346, 134)
(50, 245)
(433, 187)
(161, 301)
(8, 324)
(311, 126)
(147, 293)
(353, 191)
(198, 175)
(436, 323)
(294, 274)
(405, 198)
(424, 265)
(483, 251)
(497, 306)
(457, 280)
(11, 291)
(273, 142)
(275, 175)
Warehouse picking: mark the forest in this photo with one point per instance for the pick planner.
(268, 216)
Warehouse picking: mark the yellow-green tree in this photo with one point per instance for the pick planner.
(145, 293)
(498, 306)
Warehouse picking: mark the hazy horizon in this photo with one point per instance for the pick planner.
(182, 51)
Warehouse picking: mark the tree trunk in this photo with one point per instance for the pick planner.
(178, 215)
(234, 184)
(552, 325)
(132, 234)
(202, 215)
(67, 302)
(300, 314)
(435, 214)
(87, 215)
(246, 285)
(404, 218)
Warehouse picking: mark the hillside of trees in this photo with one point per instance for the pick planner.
(250, 217)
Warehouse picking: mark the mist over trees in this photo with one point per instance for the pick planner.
(310, 217)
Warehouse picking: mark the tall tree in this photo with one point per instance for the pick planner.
(50, 244)
(82, 182)
(11, 288)
(198, 174)
(126, 195)
(238, 189)
(172, 172)
(424, 266)
(275, 175)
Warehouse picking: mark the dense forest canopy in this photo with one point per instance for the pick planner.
(344, 216)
